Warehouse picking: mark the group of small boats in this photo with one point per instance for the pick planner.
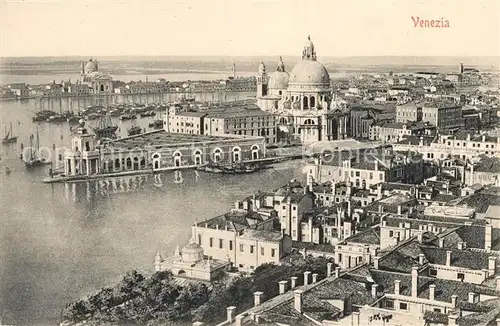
(239, 168)
(123, 111)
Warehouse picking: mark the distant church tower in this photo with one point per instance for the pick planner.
(262, 81)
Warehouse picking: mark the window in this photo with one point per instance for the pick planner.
(230, 244)
(273, 252)
(199, 239)
(241, 247)
(460, 276)
(284, 207)
(220, 243)
(251, 249)
(437, 309)
(389, 304)
(403, 306)
(391, 234)
(211, 242)
(294, 208)
(357, 173)
(433, 272)
(262, 251)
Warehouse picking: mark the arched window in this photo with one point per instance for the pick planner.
(236, 154)
(129, 163)
(217, 155)
(255, 152)
(198, 157)
(177, 158)
(102, 88)
(136, 163)
(156, 161)
(117, 163)
(313, 101)
(305, 102)
(143, 162)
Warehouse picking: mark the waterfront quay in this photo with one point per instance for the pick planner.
(77, 102)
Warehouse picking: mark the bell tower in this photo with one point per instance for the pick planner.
(262, 80)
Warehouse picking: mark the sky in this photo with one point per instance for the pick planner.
(247, 28)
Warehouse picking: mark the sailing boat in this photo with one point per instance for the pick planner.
(9, 139)
(33, 159)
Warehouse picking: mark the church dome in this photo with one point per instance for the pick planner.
(278, 80)
(310, 72)
(91, 67)
(192, 253)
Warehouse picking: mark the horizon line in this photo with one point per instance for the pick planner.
(245, 55)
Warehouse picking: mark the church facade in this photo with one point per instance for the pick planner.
(302, 99)
(99, 83)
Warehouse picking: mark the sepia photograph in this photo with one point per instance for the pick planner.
(250, 163)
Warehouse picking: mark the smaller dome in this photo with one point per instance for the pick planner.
(90, 67)
(278, 80)
(192, 252)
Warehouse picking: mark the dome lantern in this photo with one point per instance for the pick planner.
(309, 53)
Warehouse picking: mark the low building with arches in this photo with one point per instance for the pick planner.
(157, 151)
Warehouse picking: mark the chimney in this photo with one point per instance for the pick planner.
(333, 188)
(472, 297)
(376, 262)
(297, 296)
(257, 297)
(282, 285)
(329, 269)
(441, 243)
(421, 259)
(337, 272)
(454, 300)
(198, 323)
(230, 314)
(374, 290)
(414, 281)
(460, 245)
(432, 292)
(399, 209)
(238, 320)
(306, 277)
(452, 320)
(420, 238)
(448, 257)
(397, 286)
(487, 236)
(315, 278)
(293, 282)
(355, 318)
(498, 283)
(380, 208)
(492, 261)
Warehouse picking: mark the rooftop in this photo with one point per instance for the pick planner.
(161, 138)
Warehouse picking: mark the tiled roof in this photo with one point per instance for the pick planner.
(261, 235)
(459, 258)
(370, 236)
(323, 247)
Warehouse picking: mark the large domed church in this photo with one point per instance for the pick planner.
(301, 98)
(99, 82)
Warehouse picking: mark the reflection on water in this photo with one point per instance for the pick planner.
(63, 241)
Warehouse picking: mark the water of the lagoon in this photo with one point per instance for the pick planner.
(62, 242)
